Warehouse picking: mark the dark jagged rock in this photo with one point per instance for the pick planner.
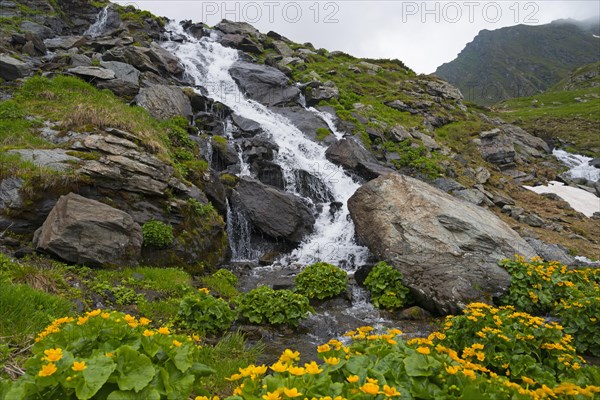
(551, 252)
(276, 214)
(133, 55)
(264, 84)
(312, 187)
(349, 154)
(230, 27)
(11, 68)
(93, 72)
(307, 122)
(269, 173)
(243, 43)
(84, 231)
(446, 249)
(248, 126)
(164, 102)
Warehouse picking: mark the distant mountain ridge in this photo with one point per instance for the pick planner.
(522, 60)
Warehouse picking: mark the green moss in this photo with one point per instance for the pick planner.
(229, 180)
(157, 234)
(220, 142)
(415, 158)
(137, 16)
(322, 133)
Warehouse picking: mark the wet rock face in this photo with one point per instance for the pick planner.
(85, 231)
(164, 102)
(349, 154)
(276, 214)
(264, 84)
(446, 248)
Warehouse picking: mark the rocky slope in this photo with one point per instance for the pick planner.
(177, 157)
(565, 115)
(521, 60)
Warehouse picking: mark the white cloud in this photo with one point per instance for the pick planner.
(423, 34)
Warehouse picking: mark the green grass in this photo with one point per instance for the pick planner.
(77, 105)
(556, 114)
(167, 281)
(24, 311)
(226, 357)
(322, 134)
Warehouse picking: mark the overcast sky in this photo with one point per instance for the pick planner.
(423, 34)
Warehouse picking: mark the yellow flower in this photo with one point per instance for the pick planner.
(289, 355)
(452, 370)
(293, 392)
(176, 343)
(79, 366)
(323, 348)
(279, 367)
(201, 398)
(370, 388)
(164, 330)
(469, 373)
(148, 332)
(423, 350)
(313, 368)
(53, 355)
(332, 360)
(144, 321)
(271, 396)
(204, 290)
(94, 313)
(105, 315)
(390, 391)
(108, 354)
(237, 391)
(196, 338)
(47, 370)
(527, 380)
(129, 318)
(82, 320)
(298, 371)
(352, 378)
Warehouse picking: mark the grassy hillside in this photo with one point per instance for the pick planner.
(569, 113)
(520, 60)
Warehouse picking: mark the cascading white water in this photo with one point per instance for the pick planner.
(579, 166)
(208, 63)
(98, 27)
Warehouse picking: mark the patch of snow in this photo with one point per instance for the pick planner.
(581, 200)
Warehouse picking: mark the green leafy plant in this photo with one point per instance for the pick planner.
(157, 234)
(321, 281)
(109, 355)
(322, 134)
(222, 282)
(384, 283)
(200, 209)
(549, 287)
(204, 313)
(276, 307)
(382, 366)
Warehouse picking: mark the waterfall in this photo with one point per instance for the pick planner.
(207, 63)
(579, 166)
(98, 27)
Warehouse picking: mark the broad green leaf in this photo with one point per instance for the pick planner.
(96, 374)
(148, 394)
(135, 370)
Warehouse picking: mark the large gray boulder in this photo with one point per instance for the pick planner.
(277, 214)
(11, 68)
(349, 154)
(93, 72)
(446, 248)
(164, 101)
(264, 84)
(85, 231)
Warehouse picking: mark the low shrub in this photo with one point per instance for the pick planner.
(383, 366)
(321, 281)
(276, 307)
(550, 288)
(204, 313)
(157, 234)
(109, 355)
(384, 283)
(222, 282)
